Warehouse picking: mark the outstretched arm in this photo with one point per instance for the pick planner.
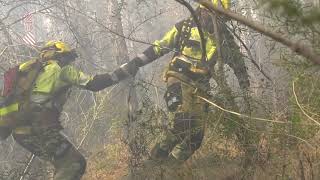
(152, 53)
(75, 77)
(98, 82)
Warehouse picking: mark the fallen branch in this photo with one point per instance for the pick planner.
(299, 105)
(297, 47)
(26, 169)
(239, 114)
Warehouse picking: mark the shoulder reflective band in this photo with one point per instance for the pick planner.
(9, 109)
(22, 130)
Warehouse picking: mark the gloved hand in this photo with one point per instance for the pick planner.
(100, 81)
(126, 70)
(131, 67)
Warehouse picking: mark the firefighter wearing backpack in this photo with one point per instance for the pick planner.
(33, 96)
(187, 78)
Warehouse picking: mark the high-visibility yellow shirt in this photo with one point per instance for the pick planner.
(194, 51)
(53, 78)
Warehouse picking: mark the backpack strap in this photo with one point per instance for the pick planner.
(184, 34)
(25, 87)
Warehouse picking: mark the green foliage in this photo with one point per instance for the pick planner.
(312, 17)
(290, 7)
(305, 101)
(294, 10)
(304, 97)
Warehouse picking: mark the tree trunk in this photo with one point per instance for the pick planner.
(128, 96)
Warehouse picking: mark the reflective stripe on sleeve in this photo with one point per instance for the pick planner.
(22, 130)
(9, 109)
(144, 58)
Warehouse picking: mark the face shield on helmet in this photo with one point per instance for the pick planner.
(58, 50)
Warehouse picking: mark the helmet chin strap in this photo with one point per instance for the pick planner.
(60, 51)
(63, 61)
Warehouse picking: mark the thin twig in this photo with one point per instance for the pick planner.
(282, 134)
(299, 105)
(299, 48)
(94, 118)
(3, 50)
(1, 55)
(21, 19)
(249, 53)
(239, 114)
(115, 32)
(26, 169)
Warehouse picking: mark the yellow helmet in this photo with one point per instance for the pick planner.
(225, 3)
(53, 49)
(58, 46)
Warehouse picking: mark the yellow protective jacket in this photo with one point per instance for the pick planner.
(50, 85)
(192, 49)
(48, 94)
(54, 78)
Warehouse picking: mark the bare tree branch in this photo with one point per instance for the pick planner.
(298, 47)
(21, 19)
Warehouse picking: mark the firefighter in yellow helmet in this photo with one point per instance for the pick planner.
(36, 114)
(187, 77)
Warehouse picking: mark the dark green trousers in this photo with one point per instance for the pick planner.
(186, 127)
(46, 142)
